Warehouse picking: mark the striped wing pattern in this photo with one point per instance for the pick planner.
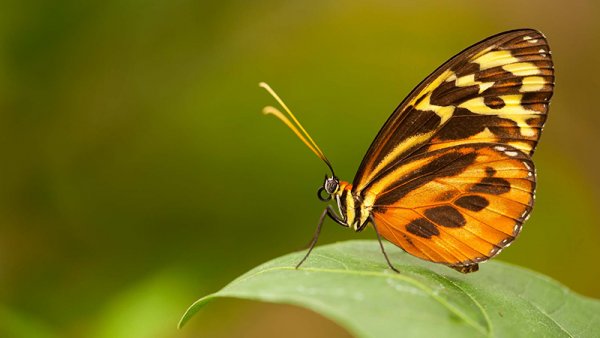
(458, 206)
(449, 177)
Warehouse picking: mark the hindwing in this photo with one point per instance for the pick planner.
(459, 205)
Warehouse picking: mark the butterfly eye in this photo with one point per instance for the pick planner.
(331, 185)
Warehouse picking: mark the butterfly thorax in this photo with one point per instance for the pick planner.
(355, 214)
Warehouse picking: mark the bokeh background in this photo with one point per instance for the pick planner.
(139, 174)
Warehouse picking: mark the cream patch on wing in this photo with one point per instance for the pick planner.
(469, 80)
(512, 110)
(495, 59)
(532, 84)
(522, 68)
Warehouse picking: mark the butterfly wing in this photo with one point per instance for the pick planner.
(449, 176)
(496, 91)
(459, 205)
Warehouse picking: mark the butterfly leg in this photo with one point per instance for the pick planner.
(381, 246)
(327, 212)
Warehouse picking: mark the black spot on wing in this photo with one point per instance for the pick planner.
(491, 185)
(422, 228)
(493, 102)
(472, 202)
(446, 216)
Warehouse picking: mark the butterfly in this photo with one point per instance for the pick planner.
(449, 177)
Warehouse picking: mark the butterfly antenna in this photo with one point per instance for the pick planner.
(296, 127)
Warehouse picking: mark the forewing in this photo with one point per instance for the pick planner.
(496, 92)
(458, 206)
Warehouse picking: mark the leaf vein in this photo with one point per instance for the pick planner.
(468, 320)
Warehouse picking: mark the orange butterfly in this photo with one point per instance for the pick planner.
(449, 178)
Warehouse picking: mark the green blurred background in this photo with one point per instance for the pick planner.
(140, 175)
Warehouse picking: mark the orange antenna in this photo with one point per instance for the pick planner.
(296, 127)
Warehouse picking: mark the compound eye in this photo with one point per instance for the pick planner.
(331, 185)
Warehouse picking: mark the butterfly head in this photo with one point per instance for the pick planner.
(331, 185)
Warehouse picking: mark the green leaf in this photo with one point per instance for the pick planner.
(350, 283)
